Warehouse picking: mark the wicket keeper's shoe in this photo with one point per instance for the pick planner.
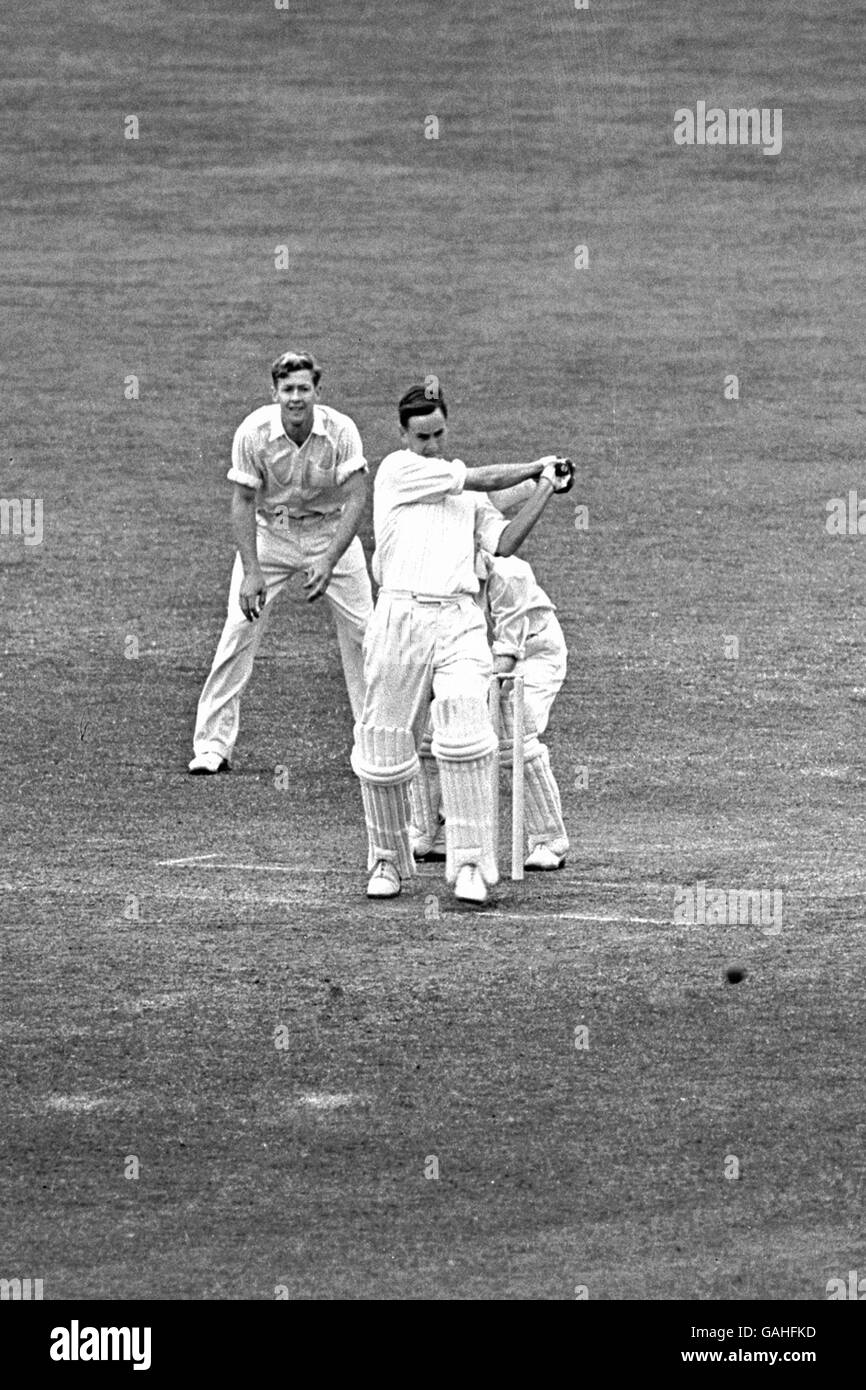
(206, 764)
(384, 880)
(543, 857)
(429, 851)
(470, 886)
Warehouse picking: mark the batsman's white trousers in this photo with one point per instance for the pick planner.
(417, 646)
(414, 650)
(282, 553)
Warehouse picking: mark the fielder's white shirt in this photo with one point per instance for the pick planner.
(427, 528)
(518, 606)
(296, 480)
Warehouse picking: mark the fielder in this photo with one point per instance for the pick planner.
(527, 640)
(428, 634)
(299, 477)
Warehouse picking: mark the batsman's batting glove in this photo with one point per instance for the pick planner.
(560, 474)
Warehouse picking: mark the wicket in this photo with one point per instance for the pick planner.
(517, 827)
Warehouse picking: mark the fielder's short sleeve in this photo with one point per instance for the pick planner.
(247, 467)
(296, 481)
(349, 450)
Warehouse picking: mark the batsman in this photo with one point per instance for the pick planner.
(429, 636)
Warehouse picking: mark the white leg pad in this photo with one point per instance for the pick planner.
(426, 795)
(464, 746)
(531, 745)
(385, 762)
(543, 808)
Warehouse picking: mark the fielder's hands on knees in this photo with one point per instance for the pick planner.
(318, 577)
(253, 595)
(504, 665)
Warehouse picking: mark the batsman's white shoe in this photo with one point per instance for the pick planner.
(205, 764)
(384, 880)
(470, 886)
(543, 857)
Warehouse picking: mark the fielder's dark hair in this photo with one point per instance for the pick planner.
(421, 400)
(292, 361)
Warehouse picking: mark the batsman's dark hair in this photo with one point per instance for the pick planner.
(421, 400)
(292, 361)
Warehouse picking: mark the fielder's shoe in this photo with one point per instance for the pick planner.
(470, 886)
(384, 880)
(543, 857)
(419, 842)
(427, 851)
(206, 764)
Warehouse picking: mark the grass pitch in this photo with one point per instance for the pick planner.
(345, 1099)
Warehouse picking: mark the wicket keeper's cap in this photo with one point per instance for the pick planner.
(422, 400)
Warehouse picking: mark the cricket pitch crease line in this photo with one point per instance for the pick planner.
(195, 862)
(188, 859)
(577, 917)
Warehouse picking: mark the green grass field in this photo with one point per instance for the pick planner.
(283, 1058)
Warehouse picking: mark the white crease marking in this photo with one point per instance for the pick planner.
(189, 859)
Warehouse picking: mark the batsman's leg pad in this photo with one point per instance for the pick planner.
(543, 808)
(385, 762)
(464, 746)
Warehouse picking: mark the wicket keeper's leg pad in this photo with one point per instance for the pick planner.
(464, 746)
(385, 762)
(531, 744)
(542, 804)
(426, 796)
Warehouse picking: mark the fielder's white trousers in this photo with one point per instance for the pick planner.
(543, 669)
(283, 552)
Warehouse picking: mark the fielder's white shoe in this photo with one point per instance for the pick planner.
(543, 857)
(470, 886)
(208, 763)
(384, 880)
(427, 850)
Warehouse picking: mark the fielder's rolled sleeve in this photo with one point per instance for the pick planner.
(349, 451)
(246, 466)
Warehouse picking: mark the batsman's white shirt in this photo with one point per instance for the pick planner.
(427, 528)
(296, 481)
